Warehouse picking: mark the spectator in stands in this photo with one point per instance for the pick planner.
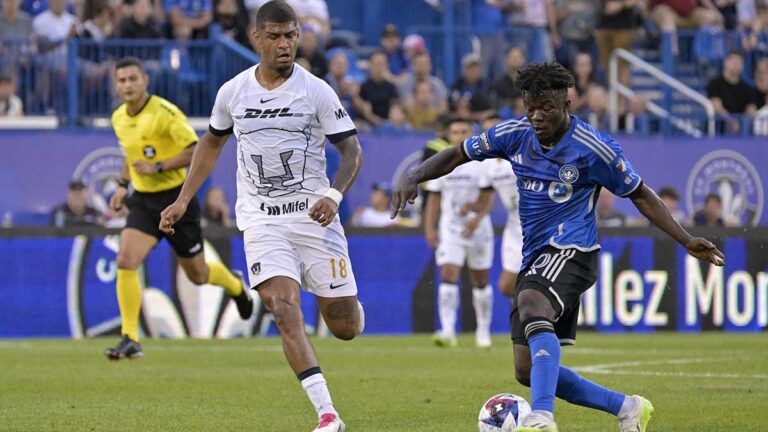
(488, 27)
(586, 76)
(75, 211)
(422, 109)
(503, 92)
(607, 215)
(616, 24)
(727, 9)
(309, 49)
(10, 104)
(397, 120)
(670, 15)
(346, 88)
(671, 199)
(390, 44)
(99, 25)
(534, 24)
(710, 213)
(761, 83)
(596, 109)
(421, 70)
(233, 20)
(576, 26)
(189, 19)
(52, 29)
(139, 24)
(470, 86)
(14, 23)
(215, 212)
(376, 214)
(313, 14)
(376, 92)
(414, 44)
(729, 94)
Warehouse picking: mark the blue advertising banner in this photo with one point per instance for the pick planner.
(64, 286)
(36, 166)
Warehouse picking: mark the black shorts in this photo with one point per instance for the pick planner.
(144, 210)
(562, 275)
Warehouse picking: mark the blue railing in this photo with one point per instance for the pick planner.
(74, 81)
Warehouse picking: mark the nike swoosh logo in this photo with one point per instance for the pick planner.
(337, 286)
(268, 100)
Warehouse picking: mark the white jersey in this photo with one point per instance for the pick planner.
(281, 137)
(504, 182)
(461, 186)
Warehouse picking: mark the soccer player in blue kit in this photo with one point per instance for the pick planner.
(561, 163)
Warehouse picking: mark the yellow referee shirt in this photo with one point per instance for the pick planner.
(158, 132)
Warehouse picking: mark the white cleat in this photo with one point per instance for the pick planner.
(638, 420)
(483, 339)
(537, 421)
(330, 423)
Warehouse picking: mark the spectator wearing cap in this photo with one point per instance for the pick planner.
(471, 88)
(189, 19)
(10, 104)
(75, 211)
(140, 24)
(376, 214)
(309, 49)
(14, 23)
(390, 45)
(376, 93)
(421, 70)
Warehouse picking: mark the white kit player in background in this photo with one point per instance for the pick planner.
(504, 182)
(463, 234)
(281, 116)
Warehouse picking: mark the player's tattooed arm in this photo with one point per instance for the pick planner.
(325, 209)
(436, 166)
(652, 207)
(206, 153)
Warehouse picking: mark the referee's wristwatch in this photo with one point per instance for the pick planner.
(159, 166)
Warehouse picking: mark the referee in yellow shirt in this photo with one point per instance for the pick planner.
(158, 143)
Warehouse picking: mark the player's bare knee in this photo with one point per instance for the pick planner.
(197, 276)
(449, 274)
(286, 313)
(127, 261)
(532, 303)
(343, 319)
(346, 332)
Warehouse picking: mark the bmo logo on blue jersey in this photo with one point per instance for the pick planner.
(557, 191)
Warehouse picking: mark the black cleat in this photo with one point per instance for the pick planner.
(243, 301)
(126, 349)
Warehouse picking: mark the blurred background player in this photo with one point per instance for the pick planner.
(463, 234)
(376, 214)
(158, 143)
(560, 231)
(286, 205)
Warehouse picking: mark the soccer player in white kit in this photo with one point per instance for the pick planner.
(463, 234)
(281, 115)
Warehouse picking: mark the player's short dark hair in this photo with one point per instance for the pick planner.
(276, 11)
(129, 61)
(670, 192)
(538, 79)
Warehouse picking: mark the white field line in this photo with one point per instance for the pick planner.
(611, 369)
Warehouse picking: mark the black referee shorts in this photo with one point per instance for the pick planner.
(144, 210)
(562, 275)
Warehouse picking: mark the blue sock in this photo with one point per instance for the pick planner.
(545, 359)
(578, 390)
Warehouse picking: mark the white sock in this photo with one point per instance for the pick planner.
(317, 391)
(482, 300)
(628, 407)
(448, 305)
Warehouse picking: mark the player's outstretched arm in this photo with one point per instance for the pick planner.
(204, 158)
(325, 209)
(436, 166)
(652, 207)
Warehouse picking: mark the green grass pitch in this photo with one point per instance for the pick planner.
(697, 382)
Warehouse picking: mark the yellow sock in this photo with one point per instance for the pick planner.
(129, 299)
(219, 275)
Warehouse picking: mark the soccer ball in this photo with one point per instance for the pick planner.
(502, 413)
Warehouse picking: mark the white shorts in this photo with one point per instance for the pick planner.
(314, 256)
(512, 249)
(477, 254)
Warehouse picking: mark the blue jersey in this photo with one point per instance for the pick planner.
(558, 188)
